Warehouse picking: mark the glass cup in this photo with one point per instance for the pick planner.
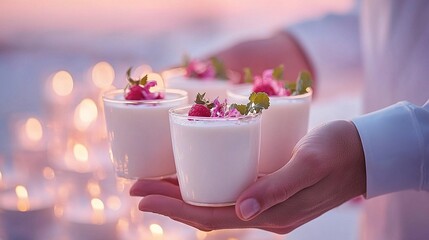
(216, 158)
(284, 123)
(139, 134)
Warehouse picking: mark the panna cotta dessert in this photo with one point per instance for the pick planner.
(285, 122)
(197, 76)
(216, 149)
(138, 129)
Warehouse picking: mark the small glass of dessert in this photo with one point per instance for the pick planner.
(216, 148)
(138, 128)
(209, 76)
(286, 122)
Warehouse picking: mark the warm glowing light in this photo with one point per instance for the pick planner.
(114, 203)
(80, 152)
(93, 188)
(21, 192)
(156, 230)
(98, 211)
(159, 82)
(174, 72)
(122, 225)
(33, 129)
(232, 238)
(97, 204)
(140, 71)
(58, 211)
(62, 83)
(201, 235)
(48, 173)
(22, 204)
(85, 114)
(103, 75)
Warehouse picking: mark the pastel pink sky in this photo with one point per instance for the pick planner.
(106, 16)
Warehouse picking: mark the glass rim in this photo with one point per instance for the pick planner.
(108, 97)
(232, 92)
(173, 112)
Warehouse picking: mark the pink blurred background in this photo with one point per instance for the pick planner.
(39, 38)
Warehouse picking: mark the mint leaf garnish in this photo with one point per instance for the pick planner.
(185, 60)
(200, 99)
(248, 77)
(303, 82)
(219, 68)
(258, 101)
(143, 80)
(278, 72)
(240, 107)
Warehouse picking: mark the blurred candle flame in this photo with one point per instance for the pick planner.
(33, 129)
(93, 188)
(48, 173)
(156, 230)
(62, 83)
(80, 152)
(114, 203)
(23, 203)
(201, 235)
(103, 75)
(122, 225)
(85, 114)
(159, 82)
(141, 70)
(98, 211)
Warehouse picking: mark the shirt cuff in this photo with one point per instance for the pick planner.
(395, 144)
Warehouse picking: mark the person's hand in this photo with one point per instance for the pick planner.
(268, 53)
(327, 168)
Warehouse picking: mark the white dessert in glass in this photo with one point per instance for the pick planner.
(283, 125)
(213, 87)
(216, 158)
(139, 134)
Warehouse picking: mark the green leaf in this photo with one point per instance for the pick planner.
(143, 80)
(200, 98)
(185, 60)
(303, 82)
(248, 77)
(278, 72)
(261, 99)
(240, 107)
(130, 80)
(291, 86)
(219, 68)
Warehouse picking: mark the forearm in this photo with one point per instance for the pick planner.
(262, 54)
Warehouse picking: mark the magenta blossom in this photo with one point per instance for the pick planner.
(139, 92)
(200, 69)
(266, 83)
(221, 110)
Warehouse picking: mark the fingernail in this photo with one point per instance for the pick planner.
(249, 208)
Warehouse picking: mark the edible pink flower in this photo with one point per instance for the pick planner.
(266, 83)
(147, 94)
(200, 70)
(233, 113)
(219, 109)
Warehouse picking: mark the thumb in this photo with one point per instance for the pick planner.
(277, 187)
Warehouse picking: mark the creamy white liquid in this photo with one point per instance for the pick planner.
(215, 161)
(213, 87)
(284, 123)
(139, 136)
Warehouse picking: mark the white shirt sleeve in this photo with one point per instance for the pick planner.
(395, 141)
(332, 43)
